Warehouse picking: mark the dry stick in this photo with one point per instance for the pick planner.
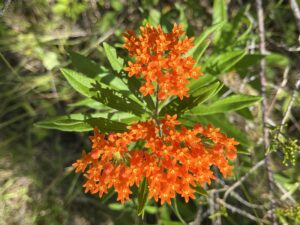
(289, 108)
(296, 11)
(281, 86)
(262, 47)
(246, 203)
(241, 180)
(241, 212)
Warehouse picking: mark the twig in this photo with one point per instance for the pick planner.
(285, 193)
(241, 180)
(241, 212)
(283, 83)
(289, 108)
(266, 142)
(246, 203)
(296, 12)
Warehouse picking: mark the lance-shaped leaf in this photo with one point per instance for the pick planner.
(70, 125)
(218, 120)
(198, 96)
(221, 63)
(78, 122)
(231, 103)
(79, 82)
(116, 100)
(134, 85)
(85, 65)
(115, 61)
(201, 41)
(106, 125)
(219, 15)
(142, 197)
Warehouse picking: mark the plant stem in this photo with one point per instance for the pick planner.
(266, 141)
(156, 113)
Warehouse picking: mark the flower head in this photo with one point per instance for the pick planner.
(172, 163)
(160, 58)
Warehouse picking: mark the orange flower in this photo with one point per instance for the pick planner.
(173, 163)
(160, 58)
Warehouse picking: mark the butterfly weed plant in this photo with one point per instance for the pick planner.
(147, 141)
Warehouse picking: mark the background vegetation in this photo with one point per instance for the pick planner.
(37, 37)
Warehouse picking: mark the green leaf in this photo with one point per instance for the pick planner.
(115, 61)
(106, 125)
(201, 191)
(134, 85)
(200, 82)
(202, 39)
(219, 15)
(91, 103)
(221, 63)
(84, 65)
(142, 197)
(248, 60)
(116, 100)
(154, 17)
(65, 125)
(196, 97)
(218, 120)
(79, 82)
(231, 103)
(78, 122)
(246, 113)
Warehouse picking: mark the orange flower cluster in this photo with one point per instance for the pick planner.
(160, 58)
(173, 162)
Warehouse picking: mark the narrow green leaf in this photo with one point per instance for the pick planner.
(154, 17)
(79, 82)
(246, 113)
(134, 85)
(78, 122)
(200, 39)
(106, 125)
(116, 100)
(176, 210)
(248, 60)
(196, 97)
(84, 65)
(200, 82)
(142, 197)
(65, 125)
(115, 61)
(201, 191)
(91, 103)
(219, 15)
(221, 63)
(231, 103)
(218, 120)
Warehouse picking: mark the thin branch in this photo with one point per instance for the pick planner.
(296, 12)
(246, 203)
(242, 179)
(266, 142)
(281, 86)
(241, 212)
(290, 105)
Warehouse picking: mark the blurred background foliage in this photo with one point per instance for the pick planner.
(37, 185)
